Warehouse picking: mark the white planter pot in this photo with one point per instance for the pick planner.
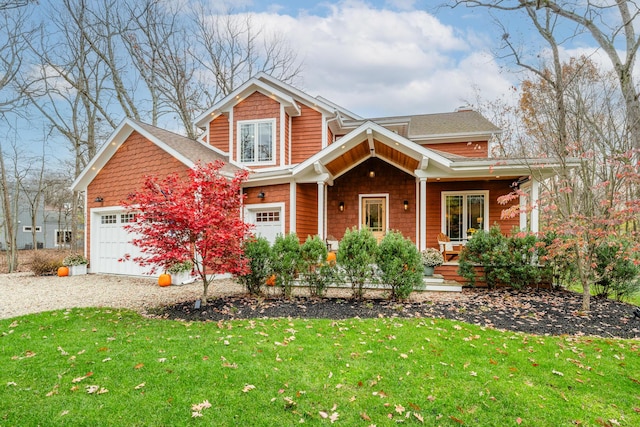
(180, 278)
(77, 270)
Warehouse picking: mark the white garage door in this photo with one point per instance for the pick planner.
(268, 221)
(110, 242)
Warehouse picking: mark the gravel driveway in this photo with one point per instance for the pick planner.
(24, 293)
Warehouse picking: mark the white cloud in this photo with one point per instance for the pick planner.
(379, 62)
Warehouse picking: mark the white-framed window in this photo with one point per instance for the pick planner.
(63, 237)
(268, 216)
(128, 217)
(29, 229)
(464, 212)
(257, 141)
(108, 219)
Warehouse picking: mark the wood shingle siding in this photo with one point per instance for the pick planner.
(125, 172)
(219, 133)
(306, 137)
(466, 149)
(306, 210)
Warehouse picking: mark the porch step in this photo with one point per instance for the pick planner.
(437, 283)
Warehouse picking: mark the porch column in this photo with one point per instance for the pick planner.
(535, 213)
(321, 206)
(423, 213)
(292, 207)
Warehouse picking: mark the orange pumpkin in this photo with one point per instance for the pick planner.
(331, 258)
(164, 280)
(63, 271)
(271, 280)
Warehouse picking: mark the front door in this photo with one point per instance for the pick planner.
(373, 215)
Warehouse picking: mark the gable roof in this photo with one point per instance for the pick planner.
(286, 94)
(186, 150)
(458, 125)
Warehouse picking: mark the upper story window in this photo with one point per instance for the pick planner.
(257, 141)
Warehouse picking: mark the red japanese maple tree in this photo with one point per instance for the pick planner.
(195, 219)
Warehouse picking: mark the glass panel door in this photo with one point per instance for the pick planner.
(374, 215)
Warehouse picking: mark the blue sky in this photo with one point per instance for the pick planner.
(390, 57)
(386, 57)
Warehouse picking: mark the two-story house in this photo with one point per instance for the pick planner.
(316, 168)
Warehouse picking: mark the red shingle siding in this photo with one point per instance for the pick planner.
(306, 136)
(388, 179)
(287, 138)
(256, 107)
(467, 149)
(124, 173)
(306, 211)
(219, 133)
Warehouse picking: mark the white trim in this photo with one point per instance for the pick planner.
(270, 90)
(282, 140)
(232, 132)
(374, 196)
(323, 143)
(292, 206)
(464, 193)
(418, 207)
(29, 228)
(255, 123)
(321, 209)
(423, 213)
(289, 142)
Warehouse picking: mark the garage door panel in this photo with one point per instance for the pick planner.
(111, 242)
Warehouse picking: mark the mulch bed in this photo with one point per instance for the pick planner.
(535, 311)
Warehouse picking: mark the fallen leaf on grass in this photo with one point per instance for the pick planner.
(247, 388)
(54, 391)
(200, 406)
(139, 386)
(96, 389)
(557, 373)
(138, 366)
(418, 417)
(365, 417)
(78, 379)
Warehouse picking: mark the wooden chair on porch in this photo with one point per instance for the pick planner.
(448, 249)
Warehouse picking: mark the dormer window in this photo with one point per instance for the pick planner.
(257, 141)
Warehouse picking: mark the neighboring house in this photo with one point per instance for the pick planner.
(52, 227)
(316, 169)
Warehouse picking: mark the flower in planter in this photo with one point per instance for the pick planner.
(180, 267)
(74, 259)
(431, 257)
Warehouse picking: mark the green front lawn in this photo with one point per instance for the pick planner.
(108, 367)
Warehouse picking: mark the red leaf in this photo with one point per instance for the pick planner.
(458, 420)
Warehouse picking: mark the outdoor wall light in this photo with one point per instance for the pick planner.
(98, 199)
(261, 195)
(406, 205)
(341, 206)
(372, 174)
